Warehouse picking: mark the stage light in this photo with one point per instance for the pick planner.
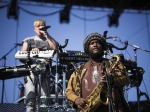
(65, 14)
(113, 18)
(12, 11)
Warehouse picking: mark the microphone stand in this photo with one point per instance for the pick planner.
(56, 82)
(137, 81)
(108, 76)
(109, 87)
(137, 47)
(3, 82)
(137, 77)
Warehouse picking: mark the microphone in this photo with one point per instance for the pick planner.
(45, 28)
(18, 44)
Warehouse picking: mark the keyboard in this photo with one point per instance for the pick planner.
(68, 56)
(10, 72)
(23, 55)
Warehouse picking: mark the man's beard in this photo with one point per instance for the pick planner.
(97, 55)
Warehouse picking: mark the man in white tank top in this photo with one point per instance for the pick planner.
(40, 42)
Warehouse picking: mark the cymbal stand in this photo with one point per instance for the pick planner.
(56, 105)
(39, 92)
(64, 88)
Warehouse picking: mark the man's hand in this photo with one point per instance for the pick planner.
(44, 32)
(80, 101)
(35, 49)
(103, 78)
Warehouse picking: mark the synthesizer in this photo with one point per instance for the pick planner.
(23, 55)
(10, 72)
(68, 56)
(73, 56)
